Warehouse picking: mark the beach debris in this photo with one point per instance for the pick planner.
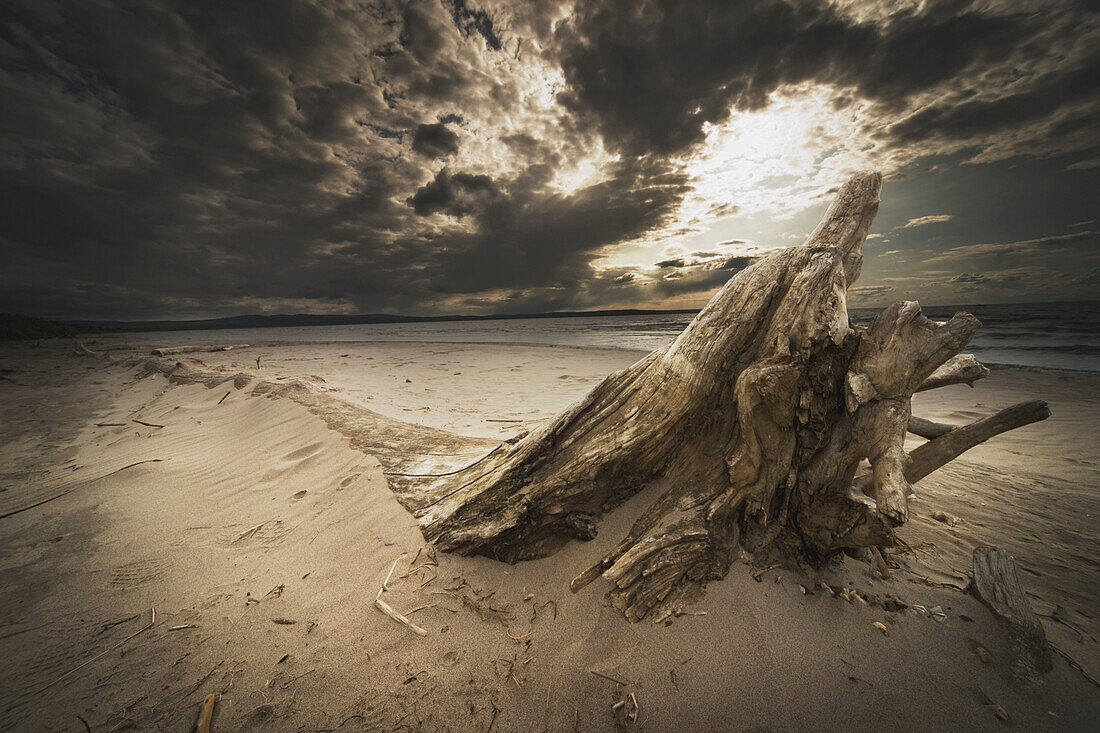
(116, 622)
(283, 659)
(979, 650)
(626, 710)
(110, 424)
(223, 397)
(182, 626)
(249, 533)
(997, 585)
(87, 727)
(880, 626)
(609, 677)
(275, 592)
(758, 575)
(206, 714)
(148, 424)
(938, 614)
(81, 350)
(997, 710)
(284, 621)
(82, 665)
(893, 604)
(944, 517)
(853, 678)
(880, 561)
(257, 362)
(390, 610)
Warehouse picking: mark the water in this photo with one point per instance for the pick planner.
(1033, 335)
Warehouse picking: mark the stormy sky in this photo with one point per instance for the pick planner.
(200, 159)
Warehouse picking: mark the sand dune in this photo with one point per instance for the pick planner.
(262, 501)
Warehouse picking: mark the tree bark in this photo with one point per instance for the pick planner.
(756, 420)
(996, 584)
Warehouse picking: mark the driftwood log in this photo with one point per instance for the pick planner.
(772, 423)
(997, 584)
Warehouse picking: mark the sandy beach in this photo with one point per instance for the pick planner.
(233, 497)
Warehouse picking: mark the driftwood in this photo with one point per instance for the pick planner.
(997, 585)
(169, 350)
(771, 424)
(206, 715)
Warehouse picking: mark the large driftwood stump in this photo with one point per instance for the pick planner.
(997, 585)
(771, 422)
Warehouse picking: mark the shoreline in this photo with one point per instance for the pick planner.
(176, 535)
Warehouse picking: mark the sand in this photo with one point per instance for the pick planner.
(251, 508)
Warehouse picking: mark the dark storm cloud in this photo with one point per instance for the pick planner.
(161, 159)
(456, 195)
(650, 75)
(528, 238)
(435, 141)
(470, 21)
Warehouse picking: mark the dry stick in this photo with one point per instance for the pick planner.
(206, 714)
(223, 398)
(110, 424)
(882, 568)
(608, 677)
(392, 613)
(148, 424)
(253, 531)
(389, 610)
(13, 512)
(101, 654)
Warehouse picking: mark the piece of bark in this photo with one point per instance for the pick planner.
(997, 585)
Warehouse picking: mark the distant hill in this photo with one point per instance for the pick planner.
(304, 319)
(18, 327)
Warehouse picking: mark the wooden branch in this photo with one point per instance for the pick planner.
(206, 714)
(961, 369)
(928, 428)
(935, 453)
(997, 585)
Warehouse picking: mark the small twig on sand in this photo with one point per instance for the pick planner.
(332, 730)
(496, 711)
(389, 611)
(148, 424)
(249, 532)
(110, 424)
(206, 714)
(223, 398)
(295, 679)
(608, 677)
(103, 653)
